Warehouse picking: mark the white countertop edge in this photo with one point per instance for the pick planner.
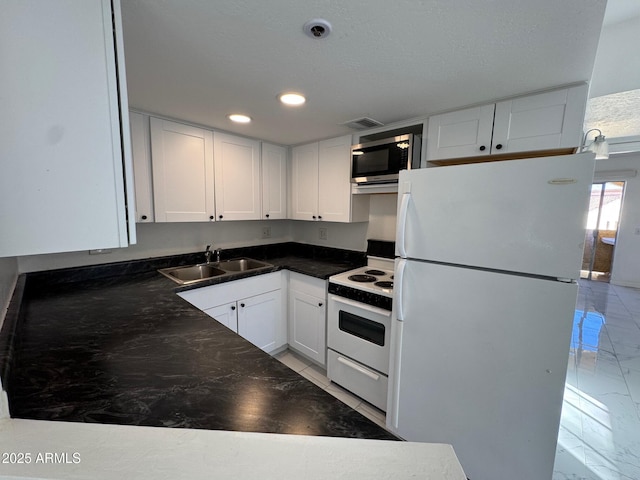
(122, 451)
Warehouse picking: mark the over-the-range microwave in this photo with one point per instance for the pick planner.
(381, 161)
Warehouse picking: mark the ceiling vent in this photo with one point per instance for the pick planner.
(363, 123)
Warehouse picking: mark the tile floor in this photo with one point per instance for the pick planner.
(318, 376)
(599, 435)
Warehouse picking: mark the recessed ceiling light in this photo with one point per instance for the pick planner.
(238, 118)
(292, 99)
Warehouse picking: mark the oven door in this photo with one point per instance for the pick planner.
(359, 331)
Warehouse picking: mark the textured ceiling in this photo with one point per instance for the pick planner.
(616, 115)
(199, 60)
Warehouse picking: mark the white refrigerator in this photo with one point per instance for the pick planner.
(484, 296)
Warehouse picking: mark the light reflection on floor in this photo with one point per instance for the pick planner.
(599, 435)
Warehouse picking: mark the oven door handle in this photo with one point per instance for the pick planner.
(363, 306)
(358, 368)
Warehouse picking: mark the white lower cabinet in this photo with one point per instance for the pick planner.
(256, 309)
(259, 318)
(307, 316)
(226, 314)
(251, 307)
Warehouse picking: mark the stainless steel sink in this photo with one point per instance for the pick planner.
(204, 271)
(242, 265)
(192, 273)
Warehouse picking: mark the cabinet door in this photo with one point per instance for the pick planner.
(259, 318)
(274, 182)
(182, 158)
(539, 122)
(334, 179)
(307, 325)
(226, 314)
(61, 169)
(464, 133)
(304, 182)
(237, 167)
(141, 150)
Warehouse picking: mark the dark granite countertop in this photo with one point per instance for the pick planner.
(115, 344)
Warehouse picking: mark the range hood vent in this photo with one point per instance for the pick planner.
(363, 123)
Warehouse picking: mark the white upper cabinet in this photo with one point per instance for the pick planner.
(64, 103)
(274, 182)
(183, 177)
(463, 133)
(321, 183)
(540, 122)
(237, 173)
(141, 150)
(334, 182)
(544, 121)
(304, 182)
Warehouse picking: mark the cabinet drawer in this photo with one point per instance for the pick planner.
(309, 285)
(361, 380)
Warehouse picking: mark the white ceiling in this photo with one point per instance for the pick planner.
(199, 60)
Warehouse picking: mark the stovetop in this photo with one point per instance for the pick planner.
(376, 277)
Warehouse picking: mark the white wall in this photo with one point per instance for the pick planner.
(349, 236)
(382, 217)
(626, 260)
(159, 239)
(617, 65)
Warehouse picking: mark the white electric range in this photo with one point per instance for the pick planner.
(359, 326)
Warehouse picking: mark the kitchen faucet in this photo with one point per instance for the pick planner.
(208, 253)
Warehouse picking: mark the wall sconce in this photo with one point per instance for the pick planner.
(599, 146)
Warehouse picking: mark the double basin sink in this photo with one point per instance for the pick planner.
(204, 271)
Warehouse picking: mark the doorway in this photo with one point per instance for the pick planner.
(602, 230)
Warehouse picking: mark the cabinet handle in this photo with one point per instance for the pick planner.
(220, 217)
(482, 148)
(320, 304)
(242, 305)
(314, 217)
(267, 215)
(498, 146)
(319, 217)
(210, 217)
(233, 307)
(144, 217)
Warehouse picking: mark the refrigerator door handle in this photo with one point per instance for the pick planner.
(402, 224)
(402, 263)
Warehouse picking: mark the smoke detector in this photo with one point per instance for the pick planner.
(317, 28)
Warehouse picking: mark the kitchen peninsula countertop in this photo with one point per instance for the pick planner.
(105, 452)
(114, 344)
